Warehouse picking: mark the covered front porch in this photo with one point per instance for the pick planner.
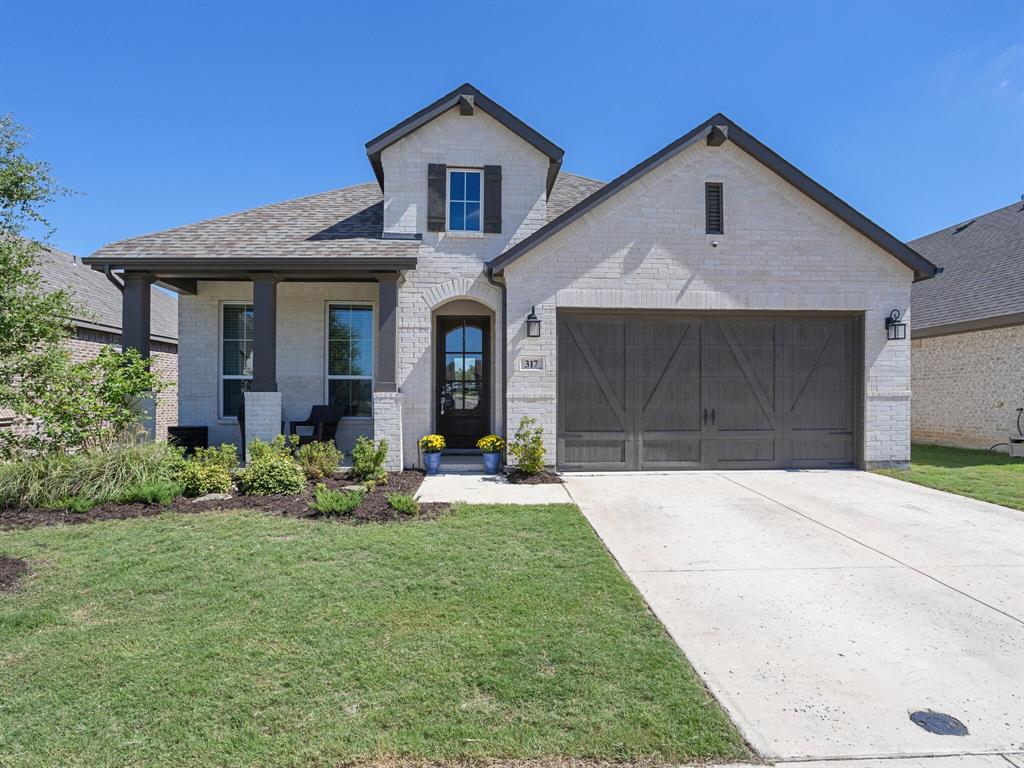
(268, 345)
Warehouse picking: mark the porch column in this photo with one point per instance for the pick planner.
(264, 333)
(135, 332)
(135, 312)
(263, 401)
(387, 400)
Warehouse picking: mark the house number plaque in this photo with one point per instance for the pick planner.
(531, 363)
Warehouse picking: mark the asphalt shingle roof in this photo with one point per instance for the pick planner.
(98, 302)
(983, 270)
(346, 222)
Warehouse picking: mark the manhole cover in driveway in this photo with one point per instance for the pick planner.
(939, 723)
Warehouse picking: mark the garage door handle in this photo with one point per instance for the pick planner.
(705, 415)
(712, 415)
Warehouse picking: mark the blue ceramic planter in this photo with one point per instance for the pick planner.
(491, 463)
(432, 461)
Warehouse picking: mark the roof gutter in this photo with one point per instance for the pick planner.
(108, 272)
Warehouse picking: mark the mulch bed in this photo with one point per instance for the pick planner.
(11, 569)
(541, 478)
(374, 509)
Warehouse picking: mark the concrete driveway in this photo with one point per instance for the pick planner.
(822, 607)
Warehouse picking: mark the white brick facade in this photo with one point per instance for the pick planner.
(643, 248)
(646, 248)
(968, 386)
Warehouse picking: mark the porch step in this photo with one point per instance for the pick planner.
(462, 464)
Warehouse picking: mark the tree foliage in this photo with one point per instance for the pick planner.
(70, 405)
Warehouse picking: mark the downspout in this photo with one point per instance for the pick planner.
(489, 274)
(113, 280)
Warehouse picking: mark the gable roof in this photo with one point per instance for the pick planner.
(346, 223)
(96, 301)
(716, 130)
(467, 97)
(982, 283)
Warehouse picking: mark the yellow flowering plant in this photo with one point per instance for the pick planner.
(432, 443)
(490, 444)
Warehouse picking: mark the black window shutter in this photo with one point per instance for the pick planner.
(714, 217)
(492, 198)
(437, 193)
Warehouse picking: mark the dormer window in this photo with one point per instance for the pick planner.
(465, 198)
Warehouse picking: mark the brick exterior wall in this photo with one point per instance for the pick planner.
(967, 387)
(646, 248)
(86, 345)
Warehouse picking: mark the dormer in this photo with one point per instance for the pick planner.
(464, 167)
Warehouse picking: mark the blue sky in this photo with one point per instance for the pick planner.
(162, 114)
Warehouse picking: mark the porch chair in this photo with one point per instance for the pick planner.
(324, 420)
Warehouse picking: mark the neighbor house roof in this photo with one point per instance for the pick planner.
(467, 98)
(345, 222)
(717, 130)
(96, 301)
(982, 283)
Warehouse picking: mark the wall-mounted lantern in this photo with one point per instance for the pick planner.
(894, 329)
(533, 324)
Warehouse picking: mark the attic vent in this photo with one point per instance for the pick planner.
(713, 215)
(962, 227)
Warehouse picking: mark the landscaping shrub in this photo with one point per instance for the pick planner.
(156, 492)
(331, 502)
(404, 503)
(198, 478)
(368, 459)
(224, 456)
(527, 447)
(272, 469)
(318, 459)
(93, 476)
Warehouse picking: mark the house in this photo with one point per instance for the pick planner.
(97, 323)
(710, 307)
(968, 333)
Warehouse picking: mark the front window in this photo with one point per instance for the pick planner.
(236, 357)
(464, 201)
(350, 358)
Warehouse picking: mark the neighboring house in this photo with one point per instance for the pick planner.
(968, 332)
(711, 307)
(97, 323)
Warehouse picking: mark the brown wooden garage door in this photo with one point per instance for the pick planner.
(649, 390)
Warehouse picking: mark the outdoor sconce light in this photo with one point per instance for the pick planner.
(894, 329)
(533, 324)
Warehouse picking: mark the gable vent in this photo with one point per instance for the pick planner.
(713, 214)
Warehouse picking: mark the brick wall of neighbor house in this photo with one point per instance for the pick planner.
(301, 352)
(86, 345)
(450, 266)
(967, 387)
(646, 248)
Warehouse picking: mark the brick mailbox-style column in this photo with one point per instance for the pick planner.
(263, 401)
(135, 333)
(387, 400)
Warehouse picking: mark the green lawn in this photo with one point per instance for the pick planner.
(242, 639)
(981, 475)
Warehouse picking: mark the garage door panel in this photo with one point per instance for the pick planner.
(674, 391)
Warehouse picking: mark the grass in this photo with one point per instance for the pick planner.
(238, 639)
(993, 477)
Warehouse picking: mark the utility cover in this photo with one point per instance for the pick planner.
(938, 722)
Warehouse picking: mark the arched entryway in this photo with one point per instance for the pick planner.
(463, 369)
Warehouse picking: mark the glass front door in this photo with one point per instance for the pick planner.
(463, 379)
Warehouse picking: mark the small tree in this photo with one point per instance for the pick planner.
(527, 446)
(71, 404)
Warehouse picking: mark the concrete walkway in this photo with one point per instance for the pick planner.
(488, 489)
(822, 607)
